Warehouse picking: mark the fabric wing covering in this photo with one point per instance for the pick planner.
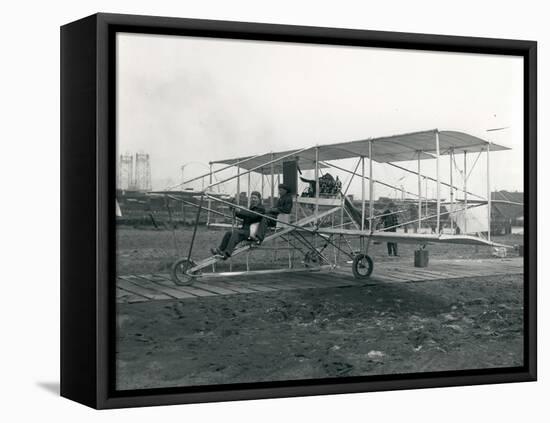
(395, 148)
(472, 220)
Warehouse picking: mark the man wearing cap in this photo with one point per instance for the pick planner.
(232, 238)
(283, 206)
(284, 203)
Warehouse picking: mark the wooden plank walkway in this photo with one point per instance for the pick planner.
(141, 288)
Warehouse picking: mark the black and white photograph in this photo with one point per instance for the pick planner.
(275, 212)
(289, 211)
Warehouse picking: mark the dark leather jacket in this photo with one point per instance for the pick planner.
(250, 218)
(284, 204)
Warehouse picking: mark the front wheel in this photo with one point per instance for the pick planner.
(362, 266)
(179, 272)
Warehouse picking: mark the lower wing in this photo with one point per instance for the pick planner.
(415, 238)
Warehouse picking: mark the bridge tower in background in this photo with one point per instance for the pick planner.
(125, 175)
(143, 172)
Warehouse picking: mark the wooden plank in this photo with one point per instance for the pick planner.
(209, 286)
(153, 277)
(279, 287)
(461, 273)
(383, 278)
(393, 275)
(446, 272)
(147, 284)
(294, 284)
(408, 276)
(447, 269)
(162, 276)
(305, 280)
(189, 289)
(429, 274)
(260, 288)
(393, 269)
(276, 284)
(270, 281)
(458, 271)
(401, 278)
(438, 276)
(144, 292)
(234, 287)
(455, 275)
(313, 284)
(464, 273)
(299, 280)
(123, 296)
(501, 267)
(251, 284)
(497, 261)
(196, 291)
(464, 265)
(471, 265)
(415, 271)
(168, 290)
(437, 271)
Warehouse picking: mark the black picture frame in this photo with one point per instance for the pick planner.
(88, 193)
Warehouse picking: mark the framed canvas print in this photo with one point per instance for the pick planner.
(253, 210)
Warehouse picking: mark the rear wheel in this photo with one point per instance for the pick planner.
(179, 272)
(362, 266)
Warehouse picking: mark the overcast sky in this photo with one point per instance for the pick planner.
(187, 100)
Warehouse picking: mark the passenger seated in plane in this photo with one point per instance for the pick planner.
(232, 238)
(282, 207)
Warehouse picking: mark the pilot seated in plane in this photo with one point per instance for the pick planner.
(232, 238)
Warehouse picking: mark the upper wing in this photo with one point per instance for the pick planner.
(394, 148)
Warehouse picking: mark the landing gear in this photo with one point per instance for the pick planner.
(179, 272)
(362, 266)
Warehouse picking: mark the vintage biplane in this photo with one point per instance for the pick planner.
(328, 228)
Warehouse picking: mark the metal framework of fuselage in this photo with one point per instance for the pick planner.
(294, 233)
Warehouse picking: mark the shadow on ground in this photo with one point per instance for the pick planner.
(51, 387)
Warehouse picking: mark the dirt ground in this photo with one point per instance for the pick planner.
(382, 328)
